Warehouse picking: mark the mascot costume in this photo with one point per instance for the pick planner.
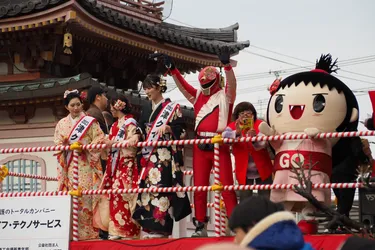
(309, 102)
(213, 106)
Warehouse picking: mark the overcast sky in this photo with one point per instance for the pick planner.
(295, 28)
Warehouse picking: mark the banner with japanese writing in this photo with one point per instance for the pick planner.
(35, 223)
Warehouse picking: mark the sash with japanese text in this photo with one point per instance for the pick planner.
(78, 132)
(121, 134)
(163, 118)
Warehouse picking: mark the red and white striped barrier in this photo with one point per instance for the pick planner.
(34, 149)
(217, 196)
(192, 141)
(75, 198)
(291, 186)
(33, 176)
(31, 194)
(185, 189)
(220, 217)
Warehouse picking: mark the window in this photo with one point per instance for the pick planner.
(26, 164)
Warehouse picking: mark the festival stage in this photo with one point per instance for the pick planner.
(319, 242)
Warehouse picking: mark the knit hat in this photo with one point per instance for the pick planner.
(357, 243)
(252, 210)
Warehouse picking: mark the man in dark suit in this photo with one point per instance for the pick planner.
(98, 101)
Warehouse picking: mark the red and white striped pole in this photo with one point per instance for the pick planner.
(75, 198)
(217, 193)
(223, 217)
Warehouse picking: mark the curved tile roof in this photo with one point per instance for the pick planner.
(205, 40)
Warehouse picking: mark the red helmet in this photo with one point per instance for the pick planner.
(208, 78)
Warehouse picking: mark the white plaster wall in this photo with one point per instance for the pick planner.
(42, 115)
(3, 68)
(5, 120)
(19, 68)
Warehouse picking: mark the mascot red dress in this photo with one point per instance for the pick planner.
(309, 102)
(213, 108)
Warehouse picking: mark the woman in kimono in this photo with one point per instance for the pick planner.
(161, 120)
(122, 172)
(77, 127)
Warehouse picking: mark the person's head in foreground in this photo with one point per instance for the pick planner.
(222, 246)
(262, 224)
(357, 243)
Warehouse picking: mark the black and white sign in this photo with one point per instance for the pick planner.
(35, 223)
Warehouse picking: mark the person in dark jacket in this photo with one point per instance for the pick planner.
(357, 243)
(264, 225)
(347, 155)
(98, 103)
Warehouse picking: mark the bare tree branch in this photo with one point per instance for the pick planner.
(305, 190)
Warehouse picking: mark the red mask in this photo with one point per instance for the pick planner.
(209, 78)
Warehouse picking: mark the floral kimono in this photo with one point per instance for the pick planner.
(122, 173)
(162, 168)
(89, 170)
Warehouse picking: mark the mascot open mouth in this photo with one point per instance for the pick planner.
(296, 111)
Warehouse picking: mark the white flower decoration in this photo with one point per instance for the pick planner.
(118, 216)
(121, 222)
(154, 176)
(155, 202)
(116, 184)
(145, 198)
(164, 154)
(153, 158)
(180, 194)
(163, 204)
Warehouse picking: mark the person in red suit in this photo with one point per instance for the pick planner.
(213, 106)
(252, 159)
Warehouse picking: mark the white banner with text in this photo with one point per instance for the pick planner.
(35, 223)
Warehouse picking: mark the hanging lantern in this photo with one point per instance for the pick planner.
(68, 43)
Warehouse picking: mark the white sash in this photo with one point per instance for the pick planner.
(120, 136)
(163, 118)
(216, 100)
(78, 132)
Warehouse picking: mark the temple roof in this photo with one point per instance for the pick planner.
(204, 40)
(47, 89)
(43, 87)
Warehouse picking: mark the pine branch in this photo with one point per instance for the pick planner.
(305, 190)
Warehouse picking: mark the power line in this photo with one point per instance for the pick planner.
(302, 60)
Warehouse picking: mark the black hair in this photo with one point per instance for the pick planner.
(321, 76)
(244, 106)
(154, 81)
(71, 96)
(252, 210)
(121, 97)
(93, 92)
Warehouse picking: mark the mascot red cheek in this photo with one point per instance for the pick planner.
(309, 102)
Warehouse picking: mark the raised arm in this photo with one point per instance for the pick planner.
(231, 85)
(186, 89)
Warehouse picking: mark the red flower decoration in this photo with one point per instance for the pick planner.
(83, 96)
(274, 86)
(159, 215)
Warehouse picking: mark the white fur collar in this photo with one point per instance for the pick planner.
(264, 224)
